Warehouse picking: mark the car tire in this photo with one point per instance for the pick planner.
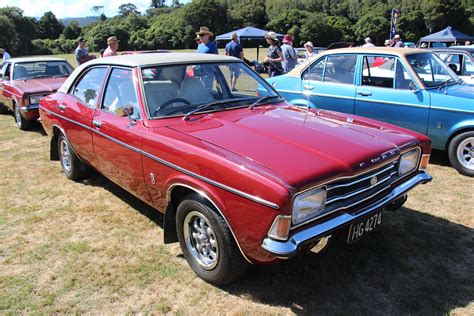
(72, 166)
(207, 242)
(23, 124)
(461, 153)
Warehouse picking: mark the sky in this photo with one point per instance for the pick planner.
(73, 8)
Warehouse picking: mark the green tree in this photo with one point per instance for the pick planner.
(72, 31)
(439, 14)
(289, 22)
(25, 28)
(8, 34)
(168, 31)
(317, 30)
(247, 13)
(157, 3)
(210, 13)
(49, 26)
(375, 26)
(98, 34)
(341, 29)
(126, 9)
(411, 26)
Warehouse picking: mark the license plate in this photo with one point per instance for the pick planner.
(361, 228)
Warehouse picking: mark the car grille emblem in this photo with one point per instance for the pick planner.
(373, 181)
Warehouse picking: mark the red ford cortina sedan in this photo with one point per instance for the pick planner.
(241, 176)
(24, 81)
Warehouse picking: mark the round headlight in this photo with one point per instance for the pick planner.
(308, 205)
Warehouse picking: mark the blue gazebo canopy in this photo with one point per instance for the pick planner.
(245, 33)
(447, 35)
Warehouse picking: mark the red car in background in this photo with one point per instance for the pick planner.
(24, 81)
(242, 176)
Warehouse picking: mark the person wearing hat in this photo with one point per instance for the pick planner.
(368, 42)
(387, 43)
(274, 55)
(234, 49)
(112, 46)
(206, 47)
(81, 52)
(309, 49)
(4, 55)
(398, 41)
(289, 54)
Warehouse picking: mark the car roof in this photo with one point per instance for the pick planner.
(34, 59)
(401, 52)
(135, 60)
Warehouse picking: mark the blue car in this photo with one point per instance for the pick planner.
(407, 87)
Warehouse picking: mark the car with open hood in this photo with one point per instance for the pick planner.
(242, 176)
(24, 81)
(407, 87)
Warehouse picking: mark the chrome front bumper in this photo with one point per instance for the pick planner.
(286, 249)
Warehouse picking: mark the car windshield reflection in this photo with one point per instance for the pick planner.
(183, 89)
(41, 69)
(431, 70)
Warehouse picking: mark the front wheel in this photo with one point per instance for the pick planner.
(207, 243)
(73, 167)
(23, 124)
(461, 153)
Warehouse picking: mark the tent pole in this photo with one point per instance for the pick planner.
(258, 48)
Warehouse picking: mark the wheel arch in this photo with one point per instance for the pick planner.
(53, 148)
(457, 132)
(175, 193)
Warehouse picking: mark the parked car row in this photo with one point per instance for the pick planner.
(242, 176)
(410, 88)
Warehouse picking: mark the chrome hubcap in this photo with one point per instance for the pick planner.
(201, 240)
(65, 155)
(17, 115)
(465, 153)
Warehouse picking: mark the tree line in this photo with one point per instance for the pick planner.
(173, 27)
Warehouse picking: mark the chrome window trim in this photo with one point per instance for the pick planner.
(203, 194)
(79, 78)
(173, 166)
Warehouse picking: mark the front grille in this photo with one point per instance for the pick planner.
(348, 193)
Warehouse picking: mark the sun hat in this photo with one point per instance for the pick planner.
(81, 39)
(112, 39)
(396, 37)
(387, 42)
(271, 35)
(204, 30)
(308, 44)
(288, 39)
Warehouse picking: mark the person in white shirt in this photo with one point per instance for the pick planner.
(3, 53)
(368, 43)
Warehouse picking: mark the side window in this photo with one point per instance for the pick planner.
(87, 89)
(120, 97)
(340, 69)
(315, 72)
(378, 71)
(468, 67)
(454, 62)
(402, 79)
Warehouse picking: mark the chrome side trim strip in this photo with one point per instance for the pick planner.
(286, 249)
(393, 103)
(315, 94)
(204, 195)
(173, 166)
(451, 110)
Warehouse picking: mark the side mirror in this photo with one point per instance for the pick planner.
(412, 87)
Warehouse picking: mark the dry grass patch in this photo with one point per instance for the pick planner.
(90, 247)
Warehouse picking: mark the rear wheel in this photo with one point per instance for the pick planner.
(461, 153)
(73, 167)
(207, 243)
(23, 124)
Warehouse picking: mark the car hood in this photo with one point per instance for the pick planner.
(464, 90)
(299, 146)
(40, 85)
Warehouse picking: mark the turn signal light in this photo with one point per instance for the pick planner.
(280, 228)
(425, 159)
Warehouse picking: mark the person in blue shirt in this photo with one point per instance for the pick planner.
(206, 47)
(234, 49)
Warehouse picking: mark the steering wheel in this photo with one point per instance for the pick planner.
(169, 102)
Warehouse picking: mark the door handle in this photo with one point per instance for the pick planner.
(365, 94)
(308, 87)
(62, 107)
(97, 123)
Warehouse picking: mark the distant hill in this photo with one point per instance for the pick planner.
(82, 21)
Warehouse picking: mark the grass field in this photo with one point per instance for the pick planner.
(90, 247)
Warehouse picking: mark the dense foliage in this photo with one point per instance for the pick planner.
(321, 21)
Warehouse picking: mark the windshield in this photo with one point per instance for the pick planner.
(431, 70)
(39, 69)
(181, 89)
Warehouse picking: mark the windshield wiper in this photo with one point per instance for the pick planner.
(260, 100)
(38, 76)
(204, 106)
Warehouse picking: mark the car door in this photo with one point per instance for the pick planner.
(5, 84)
(118, 131)
(329, 82)
(77, 109)
(386, 92)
